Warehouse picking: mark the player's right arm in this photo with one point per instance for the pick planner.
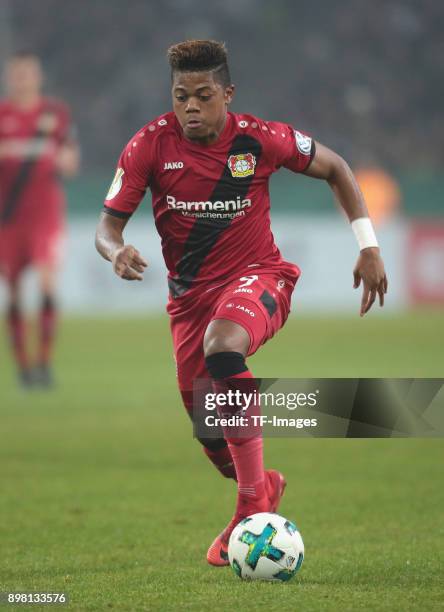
(126, 260)
(125, 194)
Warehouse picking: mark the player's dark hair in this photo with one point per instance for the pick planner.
(200, 56)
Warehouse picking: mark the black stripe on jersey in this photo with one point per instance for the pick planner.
(205, 232)
(13, 196)
(116, 213)
(269, 302)
(20, 181)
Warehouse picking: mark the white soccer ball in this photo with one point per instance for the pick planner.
(266, 546)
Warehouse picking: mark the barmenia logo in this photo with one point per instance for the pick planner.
(207, 208)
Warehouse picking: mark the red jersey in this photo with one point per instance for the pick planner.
(211, 204)
(30, 189)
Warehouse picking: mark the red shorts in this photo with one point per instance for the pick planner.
(23, 246)
(258, 301)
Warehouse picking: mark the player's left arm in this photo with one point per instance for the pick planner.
(328, 165)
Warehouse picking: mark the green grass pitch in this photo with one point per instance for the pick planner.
(104, 494)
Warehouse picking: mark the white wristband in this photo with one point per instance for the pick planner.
(364, 232)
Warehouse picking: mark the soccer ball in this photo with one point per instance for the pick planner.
(266, 546)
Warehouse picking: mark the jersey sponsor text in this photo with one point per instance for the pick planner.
(207, 208)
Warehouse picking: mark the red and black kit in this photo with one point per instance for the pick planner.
(32, 201)
(211, 207)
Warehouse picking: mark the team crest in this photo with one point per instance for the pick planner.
(242, 165)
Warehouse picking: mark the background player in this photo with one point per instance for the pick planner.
(230, 289)
(36, 147)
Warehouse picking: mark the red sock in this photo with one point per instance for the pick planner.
(16, 329)
(48, 318)
(248, 459)
(247, 454)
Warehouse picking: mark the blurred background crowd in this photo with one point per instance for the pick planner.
(365, 77)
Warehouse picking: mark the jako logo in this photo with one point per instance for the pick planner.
(173, 165)
(218, 205)
(246, 310)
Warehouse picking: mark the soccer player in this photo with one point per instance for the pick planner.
(230, 289)
(36, 148)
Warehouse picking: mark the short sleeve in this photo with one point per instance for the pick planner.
(130, 181)
(291, 148)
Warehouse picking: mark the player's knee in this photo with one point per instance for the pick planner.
(218, 344)
(223, 336)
